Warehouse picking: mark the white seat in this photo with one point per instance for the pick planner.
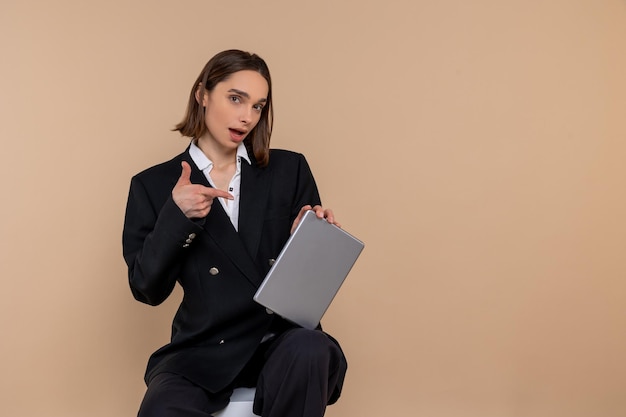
(240, 404)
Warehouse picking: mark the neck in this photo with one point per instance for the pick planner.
(220, 156)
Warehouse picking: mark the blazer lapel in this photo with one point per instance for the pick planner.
(220, 229)
(222, 232)
(254, 193)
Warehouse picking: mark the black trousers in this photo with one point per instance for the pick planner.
(297, 374)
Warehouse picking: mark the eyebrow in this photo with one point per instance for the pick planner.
(244, 94)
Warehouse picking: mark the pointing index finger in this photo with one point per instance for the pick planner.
(215, 192)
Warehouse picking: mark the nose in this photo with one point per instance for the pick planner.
(246, 115)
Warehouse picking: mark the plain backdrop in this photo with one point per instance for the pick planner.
(477, 147)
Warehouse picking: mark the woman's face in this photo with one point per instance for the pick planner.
(233, 108)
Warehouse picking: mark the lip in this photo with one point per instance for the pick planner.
(237, 135)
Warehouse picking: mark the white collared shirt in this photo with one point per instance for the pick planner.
(231, 207)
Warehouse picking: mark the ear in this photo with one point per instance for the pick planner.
(199, 90)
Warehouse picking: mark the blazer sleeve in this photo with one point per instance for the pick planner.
(306, 190)
(156, 236)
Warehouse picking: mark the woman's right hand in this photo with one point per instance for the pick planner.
(194, 200)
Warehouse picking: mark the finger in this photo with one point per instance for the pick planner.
(296, 222)
(329, 216)
(319, 212)
(201, 209)
(215, 192)
(303, 210)
(202, 202)
(185, 175)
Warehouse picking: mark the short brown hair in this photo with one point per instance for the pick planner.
(218, 69)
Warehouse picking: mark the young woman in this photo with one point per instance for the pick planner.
(213, 219)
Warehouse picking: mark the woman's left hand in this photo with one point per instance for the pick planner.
(320, 212)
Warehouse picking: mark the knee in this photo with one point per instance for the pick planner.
(311, 346)
(170, 394)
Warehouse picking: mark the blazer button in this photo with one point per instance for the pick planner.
(222, 342)
(189, 240)
(271, 261)
(268, 311)
(214, 271)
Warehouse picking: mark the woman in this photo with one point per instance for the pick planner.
(213, 219)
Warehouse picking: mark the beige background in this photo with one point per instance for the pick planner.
(477, 147)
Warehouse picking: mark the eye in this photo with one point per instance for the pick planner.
(258, 107)
(235, 99)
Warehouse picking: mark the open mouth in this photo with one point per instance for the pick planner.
(237, 134)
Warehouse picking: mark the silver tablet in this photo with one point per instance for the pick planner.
(309, 271)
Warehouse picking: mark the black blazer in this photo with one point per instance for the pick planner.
(218, 326)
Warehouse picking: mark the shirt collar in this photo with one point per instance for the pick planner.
(203, 162)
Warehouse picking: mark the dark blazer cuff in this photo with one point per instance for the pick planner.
(175, 226)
